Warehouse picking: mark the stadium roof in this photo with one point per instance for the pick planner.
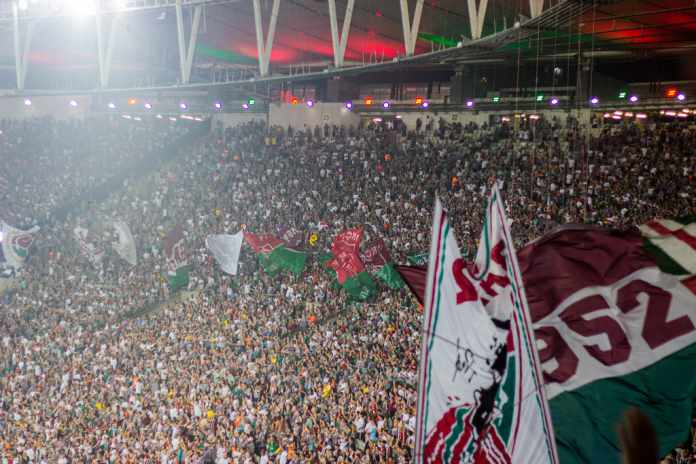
(63, 51)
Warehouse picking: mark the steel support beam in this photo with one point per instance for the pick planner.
(477, 17)
(186, 54)
(411, 29)
(339, 43)
(105, 54)
(264, 48)
(21, 48)
(536, 7)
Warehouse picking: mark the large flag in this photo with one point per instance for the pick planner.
(672, 243)
(225, 249)
(125, 246)
(349, 268)
(377, 255)
(615, 331)
(480, 392)
(15, 244)
(417, 258)
(178, 268)
(274, 255)
(91, 251)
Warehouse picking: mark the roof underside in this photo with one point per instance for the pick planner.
(146, 41)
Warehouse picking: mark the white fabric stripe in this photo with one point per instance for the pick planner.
(678, 251)
(671, 225)
(492, 452)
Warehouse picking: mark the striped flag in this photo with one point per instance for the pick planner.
(672, 243)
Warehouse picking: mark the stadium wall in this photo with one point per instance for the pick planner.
(235, 119)
(297, 116)
(57, 107)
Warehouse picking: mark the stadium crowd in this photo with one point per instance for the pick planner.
(99, 363)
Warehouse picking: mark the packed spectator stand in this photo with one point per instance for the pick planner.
(105, 365)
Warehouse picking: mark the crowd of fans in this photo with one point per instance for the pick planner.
(99, 363)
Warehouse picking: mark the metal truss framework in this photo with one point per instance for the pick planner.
(410, 27)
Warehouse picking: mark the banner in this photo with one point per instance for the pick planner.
(125, 246)
(360, 287)
(225, 249)
(262, 243)
(283, 259)
(15, 245)
(376, 253)
(178, 268)
(346, 261)
(480, 396)
(418, 259)
(390, 276)
(93, 253)
(672, 243)
(614, 331)
(292, 237)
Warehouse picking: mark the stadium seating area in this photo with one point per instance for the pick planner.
(101, 363)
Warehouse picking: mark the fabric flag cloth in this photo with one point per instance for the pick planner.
(480, 396)
(418, 258)
(615, 331)
(346, 261)
(349, 268)
(125, 246)
(293, 238)
(672, 243)
(93, 253)
(415, 277)
(16, 244)
(178, 268)
(262, 243)
(274, 255)
(281, 259)
(225, 249)
(377, 254)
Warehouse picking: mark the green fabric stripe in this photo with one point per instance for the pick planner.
(662, 259)
(360, 287)
(390, 276)
(585, 420)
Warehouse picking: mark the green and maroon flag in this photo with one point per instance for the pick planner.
(672, 243)
(274, 256)
(614, 331)
(377, 255)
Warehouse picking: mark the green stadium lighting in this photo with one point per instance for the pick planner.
(622, 94)
(252, 101)
(496, 99)
(540, 98)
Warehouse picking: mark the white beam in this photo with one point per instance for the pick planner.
(264, 48)
(410, 30)
(21, 48)
(17, 46)
(339, 44)
(477, 17)
(536, 7)
(181, 40)
(192, 44)
(334, 32)
(110, 50)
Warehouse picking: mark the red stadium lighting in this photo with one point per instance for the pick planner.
(132, 101)
(295, 100)
(671, 92)
(419, 100)
(368, 101)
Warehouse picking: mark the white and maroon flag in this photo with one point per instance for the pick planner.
(480, 392)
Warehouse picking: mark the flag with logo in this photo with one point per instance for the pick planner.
(91, 251)
(274, 256)
(225, 248)
(125, 244)
(418, 258)
(480, 392)
(672, 243)
(377, 255)
(178, 267)
(615, 320)
(349, 268)
(16, 244)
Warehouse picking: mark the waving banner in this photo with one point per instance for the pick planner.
(125, 246)
(15, 244)
(480, 392)
(225, 249)
(93, 253)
